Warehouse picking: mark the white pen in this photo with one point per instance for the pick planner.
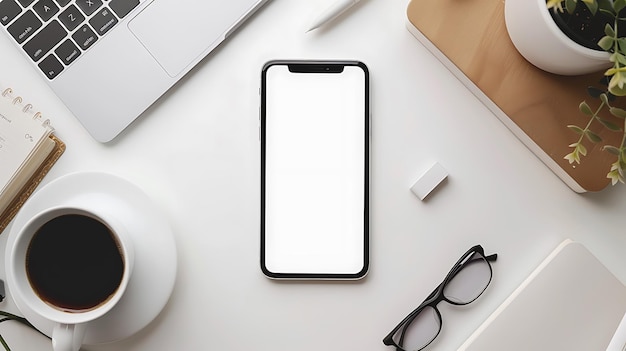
(332, 12)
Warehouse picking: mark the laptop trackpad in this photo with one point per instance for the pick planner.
(177, 32)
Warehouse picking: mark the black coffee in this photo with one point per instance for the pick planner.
(74, 262)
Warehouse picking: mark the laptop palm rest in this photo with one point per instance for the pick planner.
(177, 46)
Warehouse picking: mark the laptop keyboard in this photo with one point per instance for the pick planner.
(54, 33)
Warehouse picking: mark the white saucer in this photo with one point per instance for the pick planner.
(154, 270)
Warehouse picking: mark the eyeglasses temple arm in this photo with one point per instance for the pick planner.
(492, 257)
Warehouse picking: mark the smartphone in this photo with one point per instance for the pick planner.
(314, 133)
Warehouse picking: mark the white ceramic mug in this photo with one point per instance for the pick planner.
(71, 321)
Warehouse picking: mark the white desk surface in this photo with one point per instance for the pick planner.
(196, 153)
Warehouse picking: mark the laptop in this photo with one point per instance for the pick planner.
(109, 60)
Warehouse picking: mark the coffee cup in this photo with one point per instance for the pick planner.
(71, 264)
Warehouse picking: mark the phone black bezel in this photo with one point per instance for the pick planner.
(318, 66)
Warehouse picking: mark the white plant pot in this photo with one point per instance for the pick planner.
(542, 43)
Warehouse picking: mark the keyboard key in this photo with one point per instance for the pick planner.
(62, 3)
(85, 37)
(71, 18)
(89, 6)
(50, 66)
(123, 7)
(25, 26)
(103, 21)
(26, 3)
(46, 9)
(45, 40)
(67, 52)
(9, 9)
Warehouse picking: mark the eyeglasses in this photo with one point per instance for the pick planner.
(465, 282)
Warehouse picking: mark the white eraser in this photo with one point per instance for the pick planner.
(429, 181)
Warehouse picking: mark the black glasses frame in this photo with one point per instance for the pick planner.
(437, 296)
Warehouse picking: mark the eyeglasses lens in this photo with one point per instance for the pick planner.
(470, 281)
(421, 331)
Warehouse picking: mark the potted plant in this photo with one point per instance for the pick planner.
(572, 37)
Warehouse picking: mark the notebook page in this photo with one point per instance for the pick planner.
(20, 134)
(28, 170)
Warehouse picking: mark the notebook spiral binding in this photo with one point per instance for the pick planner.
(27, 109)
(14, 205)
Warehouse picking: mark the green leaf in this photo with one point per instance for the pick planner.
(604, 4)
(616, 84)
(606, 43)
(609, 125)
(584, 108)
(576, 129)
(553, 4)
(618, 5)
(622, 44)
(570, 6)
(618, 91)
(593, 137)
(620, 58)
(592, 6)
(581, 149)
(615, 177)
(572, 157)
(611, 149)
(604, 98)
(617, 171)
(608, 30)
(618, 112)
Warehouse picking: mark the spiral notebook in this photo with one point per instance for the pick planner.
(28, 149)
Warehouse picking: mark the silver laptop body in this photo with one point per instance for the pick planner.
(125, 56)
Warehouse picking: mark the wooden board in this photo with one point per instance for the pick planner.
(470, 38)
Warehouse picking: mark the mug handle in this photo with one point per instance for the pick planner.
(68, 337)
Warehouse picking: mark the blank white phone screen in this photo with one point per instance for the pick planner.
(315, 171)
